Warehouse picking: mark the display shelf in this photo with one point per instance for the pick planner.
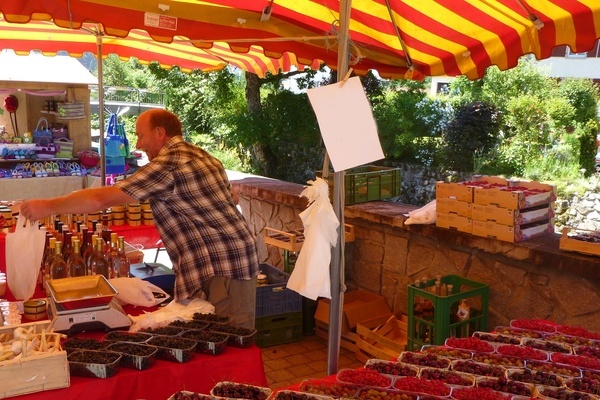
(31, 160)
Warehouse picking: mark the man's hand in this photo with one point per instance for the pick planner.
(35, 210)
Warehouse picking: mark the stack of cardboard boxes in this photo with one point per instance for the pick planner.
(490, 206)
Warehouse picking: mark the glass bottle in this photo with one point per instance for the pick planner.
(48, 258)
(41, 274)
(89, 251)
(112, 254)
(76, 264)
(99, 264)
(58, 268)
(67, 249)
(123, 261)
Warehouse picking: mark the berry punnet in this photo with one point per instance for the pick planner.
(470, 343)
(421, 385)
(365, 377)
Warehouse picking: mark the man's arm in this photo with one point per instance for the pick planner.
(79, 202)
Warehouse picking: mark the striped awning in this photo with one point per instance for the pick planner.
(398, 38)
(46, 37)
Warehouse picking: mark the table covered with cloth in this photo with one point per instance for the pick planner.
(163, 378)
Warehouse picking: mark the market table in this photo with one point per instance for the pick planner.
(163, 378)
(145, 235)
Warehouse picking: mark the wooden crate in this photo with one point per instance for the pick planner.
(384, 341)
(347, 339)
(570, 243)
(35, 373)
(293, 240)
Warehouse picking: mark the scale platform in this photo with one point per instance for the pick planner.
(84, 303)
(106, 317)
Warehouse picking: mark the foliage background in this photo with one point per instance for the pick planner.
(515, 123)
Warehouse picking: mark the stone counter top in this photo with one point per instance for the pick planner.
(542, 251)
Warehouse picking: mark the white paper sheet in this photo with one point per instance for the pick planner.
(347, 124)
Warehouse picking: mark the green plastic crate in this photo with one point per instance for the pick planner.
(367, 183)
(435, 329)
(278, 329)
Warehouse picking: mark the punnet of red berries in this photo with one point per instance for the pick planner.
(422, 385)
(365, 377)
(471, 343)
(478, 393)
(524, 352)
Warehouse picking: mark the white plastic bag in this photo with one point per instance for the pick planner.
(174, 311)
(310, 276)
(24, 252)
(424, 215)
(137, 292)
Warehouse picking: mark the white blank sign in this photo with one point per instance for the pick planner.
(347, 124)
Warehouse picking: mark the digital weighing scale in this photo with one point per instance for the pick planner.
(104, 317)
(84, 303)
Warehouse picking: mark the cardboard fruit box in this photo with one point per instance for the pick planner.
(580, 240)
(512, 217)
(513, 194)
(514, 234)
(450, 205)
(36, 372)
(461, 191)
(454, 221)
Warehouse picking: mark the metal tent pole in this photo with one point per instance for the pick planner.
(337, 252)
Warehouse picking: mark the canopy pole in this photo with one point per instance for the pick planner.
(101, 109)
(337, 252)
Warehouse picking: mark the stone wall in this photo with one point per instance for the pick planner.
(533, 279)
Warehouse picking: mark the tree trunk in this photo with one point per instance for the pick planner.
(262, 156)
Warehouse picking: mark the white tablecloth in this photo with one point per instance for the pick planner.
(31, 188)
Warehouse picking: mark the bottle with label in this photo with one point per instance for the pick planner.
(89, 251)
(112, 254)
(58, 268)
(123, 261)
(76, 264)
(99, 263)
(48, 257)
(41, 275)
(67, 249)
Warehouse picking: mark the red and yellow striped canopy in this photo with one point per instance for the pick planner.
(50, 39)
(398, 38)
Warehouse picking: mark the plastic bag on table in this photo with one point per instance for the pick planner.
(24, 252)
(138, 292)
(174, 311)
